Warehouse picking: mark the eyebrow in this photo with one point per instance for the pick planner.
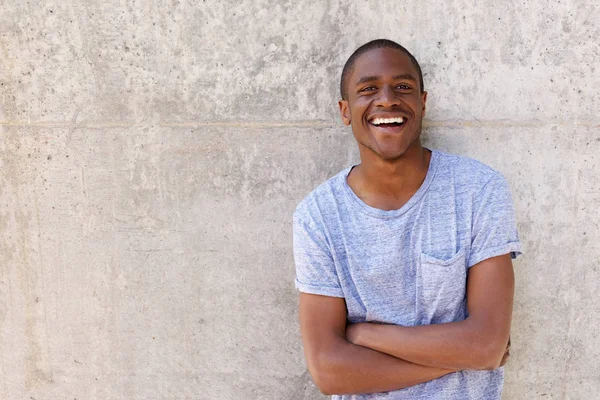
(374, 78)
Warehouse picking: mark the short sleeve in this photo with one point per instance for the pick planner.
(494, 229)
(315, 269)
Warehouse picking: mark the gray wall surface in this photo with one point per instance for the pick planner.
(152, 154)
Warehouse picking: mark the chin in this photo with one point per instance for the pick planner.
(394, 153)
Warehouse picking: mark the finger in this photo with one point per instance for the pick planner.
(505, 358)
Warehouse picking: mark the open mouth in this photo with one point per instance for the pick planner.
(388, 124)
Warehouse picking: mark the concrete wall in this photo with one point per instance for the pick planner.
(152, 154)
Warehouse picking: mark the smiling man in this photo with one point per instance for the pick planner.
(404, 260)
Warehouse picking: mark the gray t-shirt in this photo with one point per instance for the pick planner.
(409, 266)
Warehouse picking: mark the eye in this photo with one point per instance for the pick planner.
(403, 86)
(368, 89)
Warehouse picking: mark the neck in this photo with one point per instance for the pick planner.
(387, 184)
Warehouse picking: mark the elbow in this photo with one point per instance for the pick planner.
(327, 390)
(323, 378)
(489, 364)
(319, 379)
(489, 345)
(490, 355)
(323, 372)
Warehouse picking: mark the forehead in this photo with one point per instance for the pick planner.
(382, 62)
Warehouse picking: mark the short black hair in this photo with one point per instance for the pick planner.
(375, 44)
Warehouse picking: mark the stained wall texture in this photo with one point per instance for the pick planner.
(152, 154)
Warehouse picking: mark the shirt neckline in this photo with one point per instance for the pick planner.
(388, 214)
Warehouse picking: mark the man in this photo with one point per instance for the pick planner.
(404, 260)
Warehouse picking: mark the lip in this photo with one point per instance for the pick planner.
(390, 130)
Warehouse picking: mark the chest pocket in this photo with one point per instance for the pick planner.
(441, 289)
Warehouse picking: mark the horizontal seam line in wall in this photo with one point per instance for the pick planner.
(291, 124)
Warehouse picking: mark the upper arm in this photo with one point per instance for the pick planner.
(490, 280)
(322, 305)
(490, 293)
(322, 325)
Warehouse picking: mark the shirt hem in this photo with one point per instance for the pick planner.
(514, 248)
(323, 291)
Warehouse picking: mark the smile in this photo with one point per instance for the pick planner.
(388, 125)
(387, 121)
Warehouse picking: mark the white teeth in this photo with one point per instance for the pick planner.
(378, 121)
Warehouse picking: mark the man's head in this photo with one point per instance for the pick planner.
(383, 99)
(375, 44)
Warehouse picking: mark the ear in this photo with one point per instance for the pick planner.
(424, 98)
(345, 111)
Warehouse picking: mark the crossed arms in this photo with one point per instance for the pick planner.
(371, 358)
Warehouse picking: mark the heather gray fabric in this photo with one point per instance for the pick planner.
(408, 266)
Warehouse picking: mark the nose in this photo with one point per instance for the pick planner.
(387, 97)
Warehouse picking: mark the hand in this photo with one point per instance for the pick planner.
(506, 354)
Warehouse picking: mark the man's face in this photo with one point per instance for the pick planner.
(384, 104)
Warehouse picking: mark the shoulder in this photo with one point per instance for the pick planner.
(321, 201)
(466, 172)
